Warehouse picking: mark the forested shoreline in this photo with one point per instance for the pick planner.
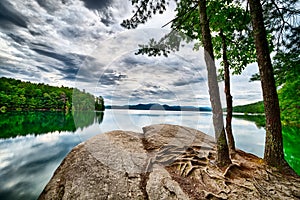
(289, 98)
(19, 95)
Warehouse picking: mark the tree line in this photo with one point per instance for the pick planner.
(20, 95)
(242, 34)
(289, 98)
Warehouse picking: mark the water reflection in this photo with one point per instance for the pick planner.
(248, 137)
(291, 145)
(30, 157)
(28, 162)
(16, 123)
(134, 120)
(290, 136)
(259, 120)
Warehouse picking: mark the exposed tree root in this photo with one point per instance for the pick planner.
(246, 178)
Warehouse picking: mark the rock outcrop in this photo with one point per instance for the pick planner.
(164, 162)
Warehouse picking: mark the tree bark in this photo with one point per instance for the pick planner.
(273, 154)
(220, 137)
(230, 137)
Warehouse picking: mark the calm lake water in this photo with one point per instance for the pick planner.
(33, 144)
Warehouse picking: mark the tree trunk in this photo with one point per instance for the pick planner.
(273, 154)
(230, 138)
(220, 137)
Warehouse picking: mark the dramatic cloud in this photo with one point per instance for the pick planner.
(80, 43)
(126, 78)
(10, 16)
(51, 39)
(98, 5)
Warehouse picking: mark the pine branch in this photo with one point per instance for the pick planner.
(186, 17)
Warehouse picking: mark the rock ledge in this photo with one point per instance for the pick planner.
(164, 162)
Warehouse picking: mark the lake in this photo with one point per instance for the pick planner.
(33, 144)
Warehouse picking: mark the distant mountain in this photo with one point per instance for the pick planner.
(153, 106)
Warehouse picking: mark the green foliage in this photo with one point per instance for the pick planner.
(290, 136)
(286, 66)
(99, 104)
(282, 20)
(167, 44)
(228, 16)
(18, 95)
(144, 11)
(257, 107)
(289, 99)
(291, 146)
(84, 118)
(234, 21)
(3, 109)
(82, 101)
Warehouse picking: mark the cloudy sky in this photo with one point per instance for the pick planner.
(80, 43)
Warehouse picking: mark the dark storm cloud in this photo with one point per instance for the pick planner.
(152, 85)
(69, 60)
(107, 19)
(137, 98)
(49, 6)
(106, 16)
(8, 69)
(35, 45)
(183, 82)
(151, 92)
(34, 33)
(70, 77)
(9, 16)
(111, 78)
(51, 39)
(68, 70)
(17, 38)
(133, 61)
(97, 4)
(12, 70)
(71, 32)
(42, 69)
(92, 79)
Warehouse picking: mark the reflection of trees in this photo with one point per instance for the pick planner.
(291, 146)
(13, 124)
(290, 137)
(99, 116)
(259, 120)
(85, 118)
